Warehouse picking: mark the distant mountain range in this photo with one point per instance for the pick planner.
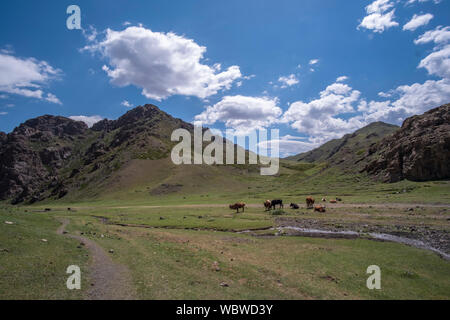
(52, 157)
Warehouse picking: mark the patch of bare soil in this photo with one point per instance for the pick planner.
(108, 280)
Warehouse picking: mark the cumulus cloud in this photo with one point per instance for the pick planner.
(418, 21)
(89, 120)
(438, 62)
(288, 81)
(243, 114)
(26, 77)
(378, 19)
(321, 118)
(411, 100)
(162, 64)
(438, 36)
(313, 62)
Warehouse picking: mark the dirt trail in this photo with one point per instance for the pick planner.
(108, 280)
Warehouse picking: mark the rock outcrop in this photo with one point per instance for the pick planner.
(419, 151)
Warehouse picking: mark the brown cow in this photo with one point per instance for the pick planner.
(310, 202)
(238, 206)
(319, 208)
(333, 201)
(268, 205)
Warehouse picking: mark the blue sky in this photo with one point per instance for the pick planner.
(167, 53)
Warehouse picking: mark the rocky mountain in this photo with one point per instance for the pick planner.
(350, 150)
(49, 156)
(418, 151)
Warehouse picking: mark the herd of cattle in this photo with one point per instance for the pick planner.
(272, 204)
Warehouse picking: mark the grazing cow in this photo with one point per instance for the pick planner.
(268, 205)
(294, 206)
(238, 206)
(275, 202)
(324, 200)
(338, 199)
(333, 201)
(310, 202)
(319, 208)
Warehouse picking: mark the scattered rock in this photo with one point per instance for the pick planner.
(215, 266)
(224, 284)
(44, 240)
(9, 222)
(111, 251)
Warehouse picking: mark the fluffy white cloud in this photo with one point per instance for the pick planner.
(288, 81)
(127, 104)
(378, 19)
(89, 120)
(438, 62)
(320, 118)
(313, 61)
(26, 77)
(438, 36)
(418, 21)
(241, 113)
(162, 64)
(412, 99)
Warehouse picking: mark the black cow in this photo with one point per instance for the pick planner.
(276, 202)
(294, 206)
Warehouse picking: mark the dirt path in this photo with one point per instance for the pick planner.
(109, 280)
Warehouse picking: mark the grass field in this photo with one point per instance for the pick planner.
(187, 251)
(175, 235)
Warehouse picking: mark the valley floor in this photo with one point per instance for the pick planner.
(206, 251)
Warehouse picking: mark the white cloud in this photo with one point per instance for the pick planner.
(412, 99)
(288, 81)
(3, 113)
(320, 118)
(241, 113)
(26, 77)
(438, 62)
(313, 61)
(89, 120)
(418, 21)
(127, 104)
(421, 1)
(377, 18)
(162, 64)
(438, 36)
(342, 79)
